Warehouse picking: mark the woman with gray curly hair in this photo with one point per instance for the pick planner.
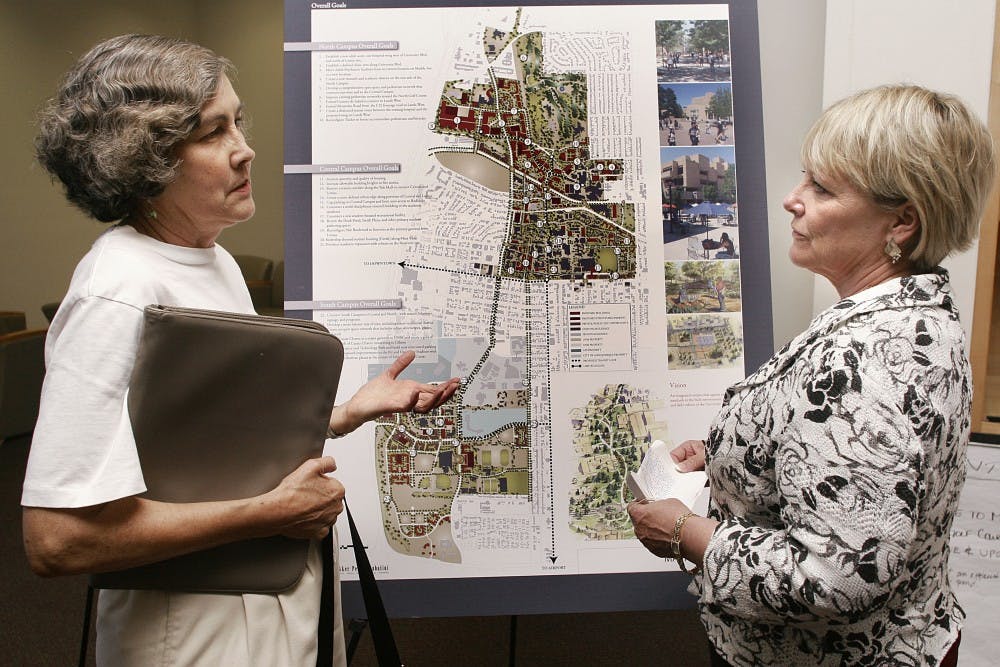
(835, 469)
(147, 132)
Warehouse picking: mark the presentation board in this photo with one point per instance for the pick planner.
(564, 206)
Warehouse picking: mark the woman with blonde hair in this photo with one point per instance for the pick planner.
(836, 468)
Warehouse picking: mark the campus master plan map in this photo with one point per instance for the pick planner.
(487, 193)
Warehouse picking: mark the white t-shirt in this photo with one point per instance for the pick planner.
(83, 453)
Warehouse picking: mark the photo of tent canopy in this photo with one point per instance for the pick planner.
(709, 208)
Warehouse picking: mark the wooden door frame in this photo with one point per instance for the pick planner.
(986, 267)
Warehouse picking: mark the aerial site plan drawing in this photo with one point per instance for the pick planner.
(491, 187)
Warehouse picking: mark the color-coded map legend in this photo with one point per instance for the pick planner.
(600, 337)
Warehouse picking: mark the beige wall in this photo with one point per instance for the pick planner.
(953, 55)
(42, 237)
(791, 82)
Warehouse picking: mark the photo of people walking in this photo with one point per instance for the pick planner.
(696, 114)
(692, 51)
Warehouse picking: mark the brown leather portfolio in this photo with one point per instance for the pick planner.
(224, 406)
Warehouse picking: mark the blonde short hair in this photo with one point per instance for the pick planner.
(906, 144)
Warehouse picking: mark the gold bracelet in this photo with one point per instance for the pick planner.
(675, 543)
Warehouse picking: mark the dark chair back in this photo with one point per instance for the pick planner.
(257, 272)
(22, 367)
(11, 320)
(49, 309)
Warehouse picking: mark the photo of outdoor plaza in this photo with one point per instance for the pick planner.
(692, 51)
(698, 194)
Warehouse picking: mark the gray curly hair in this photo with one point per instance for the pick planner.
(109, 133)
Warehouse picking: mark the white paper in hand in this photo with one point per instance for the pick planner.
(658, 478)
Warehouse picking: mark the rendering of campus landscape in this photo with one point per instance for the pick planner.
(610, 437)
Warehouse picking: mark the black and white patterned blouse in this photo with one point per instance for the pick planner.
(835, 471)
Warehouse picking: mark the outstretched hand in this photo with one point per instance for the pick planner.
(386, 394)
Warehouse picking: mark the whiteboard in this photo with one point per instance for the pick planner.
(975, 555)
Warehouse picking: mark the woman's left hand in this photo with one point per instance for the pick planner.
(386, 394)
(654, 523)
(654, 526)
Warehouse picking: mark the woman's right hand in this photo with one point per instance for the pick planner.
(133, 531)
(307, 500)
(387, 393)
(689, 455)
